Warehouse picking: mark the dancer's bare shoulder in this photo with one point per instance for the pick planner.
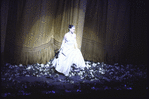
(66, 34)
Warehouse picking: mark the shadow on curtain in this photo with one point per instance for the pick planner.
(115, 31)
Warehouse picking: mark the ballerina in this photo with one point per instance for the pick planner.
(68, 55)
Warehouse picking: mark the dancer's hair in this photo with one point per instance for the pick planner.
(70, 26)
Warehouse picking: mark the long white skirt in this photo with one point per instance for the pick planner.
(64, 61)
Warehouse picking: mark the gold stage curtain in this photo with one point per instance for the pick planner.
(107, 30)
(32, 33)
(36, 27)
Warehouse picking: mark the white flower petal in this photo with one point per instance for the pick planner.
(20, 65)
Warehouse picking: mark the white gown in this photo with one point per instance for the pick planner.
(68, 56)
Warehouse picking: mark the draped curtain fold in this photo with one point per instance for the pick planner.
(107, 30)
(94, 30)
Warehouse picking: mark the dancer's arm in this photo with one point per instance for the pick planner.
(76, 42)
(63, 42)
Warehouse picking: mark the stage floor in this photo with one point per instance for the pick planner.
(97, 80)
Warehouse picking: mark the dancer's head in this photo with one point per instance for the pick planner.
(71, 28)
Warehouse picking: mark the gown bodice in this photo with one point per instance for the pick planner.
(70, 40)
